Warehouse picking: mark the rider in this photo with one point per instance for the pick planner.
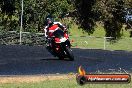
(49, 29)
(52, 26)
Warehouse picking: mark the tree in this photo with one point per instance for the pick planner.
(8, 15)
(85, 13)
(35, 12)
(110, 12)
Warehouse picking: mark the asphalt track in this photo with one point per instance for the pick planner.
(33, 60)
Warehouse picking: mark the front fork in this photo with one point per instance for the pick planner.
(65, 45)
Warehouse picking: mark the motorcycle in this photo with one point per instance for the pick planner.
(60, 45)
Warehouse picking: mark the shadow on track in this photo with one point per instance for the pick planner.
(32, 60)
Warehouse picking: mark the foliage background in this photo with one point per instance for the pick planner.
(85, 13)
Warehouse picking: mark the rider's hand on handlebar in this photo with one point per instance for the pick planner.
(65, 29)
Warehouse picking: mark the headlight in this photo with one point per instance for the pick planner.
(63, 39)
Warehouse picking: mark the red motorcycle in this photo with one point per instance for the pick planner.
(61, 46)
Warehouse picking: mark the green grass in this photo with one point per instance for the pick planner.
(87, 42)
(69, 83)
(122, 44)
(76, 31)
(99, 31)
(97, 42)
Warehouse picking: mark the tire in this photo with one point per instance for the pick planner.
(69, 54)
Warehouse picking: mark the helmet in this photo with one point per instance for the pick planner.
(49, 19)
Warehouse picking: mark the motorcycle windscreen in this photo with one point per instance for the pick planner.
(58, 34)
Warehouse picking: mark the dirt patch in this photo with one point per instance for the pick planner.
(33, 78)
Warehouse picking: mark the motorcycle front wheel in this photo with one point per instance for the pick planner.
(69, 53)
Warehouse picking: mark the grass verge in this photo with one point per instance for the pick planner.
(96, 40)
(65, 83)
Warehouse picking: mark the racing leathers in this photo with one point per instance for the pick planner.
(49, 29)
